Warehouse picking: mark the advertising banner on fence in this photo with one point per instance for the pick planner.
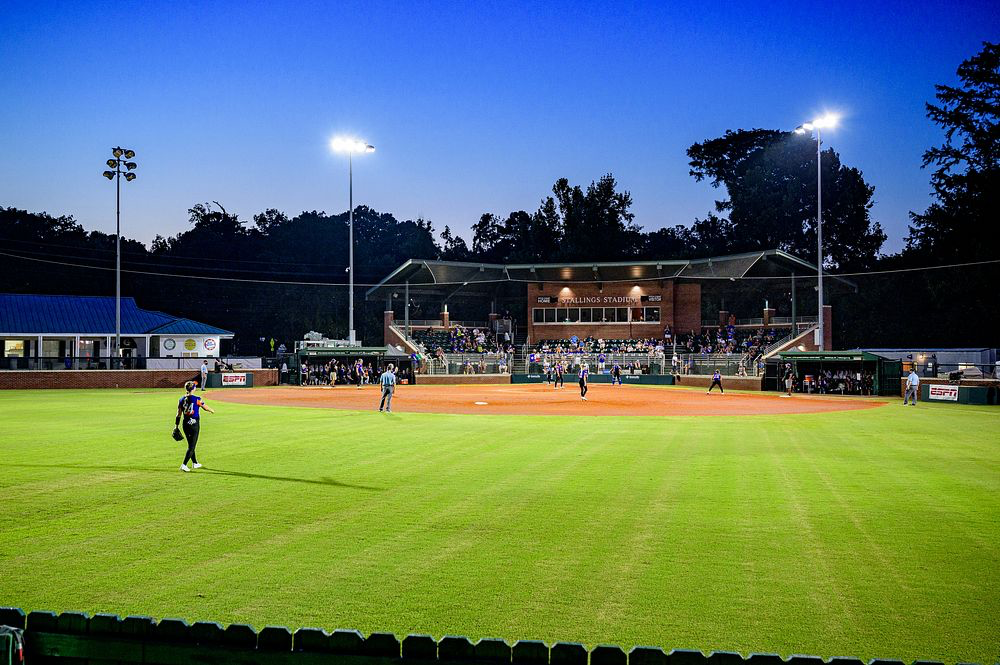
(944, 393)
(230, 380)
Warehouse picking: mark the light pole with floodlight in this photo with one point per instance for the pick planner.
(121, 158)
(350, 146)
(828, 120)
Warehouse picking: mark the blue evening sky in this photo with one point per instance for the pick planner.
(473, 107)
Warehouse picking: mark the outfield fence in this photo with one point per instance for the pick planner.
(75, 637)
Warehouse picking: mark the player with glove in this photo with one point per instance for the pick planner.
(189, 408)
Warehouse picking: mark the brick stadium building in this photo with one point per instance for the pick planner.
(630, 300)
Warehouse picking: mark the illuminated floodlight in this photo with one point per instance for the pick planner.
(348, 144)
(827, 121)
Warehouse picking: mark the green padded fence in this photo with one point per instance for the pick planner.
(571, 377)
(102, 639)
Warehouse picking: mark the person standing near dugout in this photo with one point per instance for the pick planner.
(583, 381)
(789, 377)
(388, 383)
(716, 381)
(359, 371)
(189, 408)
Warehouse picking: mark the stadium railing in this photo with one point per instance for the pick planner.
(75, 637)
(455, 363)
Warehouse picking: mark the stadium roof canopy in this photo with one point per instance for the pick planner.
(447, 279)
(90, 315)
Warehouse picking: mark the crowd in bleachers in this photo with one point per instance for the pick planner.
(495, 354)
(459, 339)
(598, 345)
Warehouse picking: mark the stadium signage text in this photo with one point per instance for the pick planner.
(944, 393)
(599, 300)
(234, 379)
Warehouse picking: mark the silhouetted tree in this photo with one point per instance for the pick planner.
(966, 177)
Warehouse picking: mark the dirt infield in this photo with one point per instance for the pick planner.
(538, 399)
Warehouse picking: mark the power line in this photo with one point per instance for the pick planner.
(509, 280)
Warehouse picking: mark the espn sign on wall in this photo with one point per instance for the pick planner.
(230, 380)
(943, 393)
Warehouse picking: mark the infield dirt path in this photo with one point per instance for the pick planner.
(539, 399)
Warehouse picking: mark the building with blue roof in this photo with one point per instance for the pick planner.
(48, 329)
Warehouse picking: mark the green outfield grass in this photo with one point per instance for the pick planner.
(871, 533)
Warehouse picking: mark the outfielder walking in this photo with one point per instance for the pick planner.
(189, 408)
(388, 382)
(912, 388)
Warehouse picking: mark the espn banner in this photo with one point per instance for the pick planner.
(943, 393)
(231, 380)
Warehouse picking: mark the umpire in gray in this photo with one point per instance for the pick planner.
(388, 381)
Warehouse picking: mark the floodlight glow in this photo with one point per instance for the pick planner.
(827, 121)
(350, 145)
(808, 126)
(799, 130)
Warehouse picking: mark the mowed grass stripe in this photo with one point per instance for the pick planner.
(864, 533)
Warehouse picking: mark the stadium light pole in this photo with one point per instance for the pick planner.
(121, 158)
(827, 121)
(343, 144)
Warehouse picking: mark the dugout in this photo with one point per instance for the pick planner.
(313, 354)
(807, 366)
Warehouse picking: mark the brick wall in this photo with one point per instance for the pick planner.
(680, 308)
(138, 378)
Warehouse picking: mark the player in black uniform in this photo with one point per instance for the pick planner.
(716, 381)
(189, 408)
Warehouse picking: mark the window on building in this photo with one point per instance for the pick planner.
(652, 314)
(587, 315)
(13, 348)
(550, 315)
(539, 315)
(622, 314)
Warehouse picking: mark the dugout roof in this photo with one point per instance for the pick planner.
(450, 279)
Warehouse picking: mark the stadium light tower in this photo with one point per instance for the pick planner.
(350, 146)
(122, 158)
(827, 121)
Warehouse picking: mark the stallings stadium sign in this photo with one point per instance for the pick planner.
(599, 300)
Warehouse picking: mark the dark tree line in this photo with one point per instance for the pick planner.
(252, 276)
